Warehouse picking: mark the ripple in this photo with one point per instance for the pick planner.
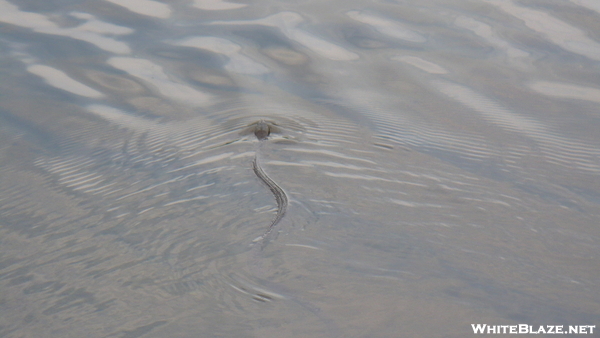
(424, 65)
(145, 7)
(566, 90)
(114, 82)
(557, 31)
(286, 55)
(91, 31)
(287, 22)
(217, 5)
(387, 27)
(154, 75)
(238, 63)
(61, 80)
(556, 148)
(486, 32)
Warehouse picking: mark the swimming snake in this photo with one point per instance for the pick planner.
(262, 131)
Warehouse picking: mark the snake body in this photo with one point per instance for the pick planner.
(280, 196)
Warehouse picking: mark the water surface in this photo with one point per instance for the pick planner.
(440, 159)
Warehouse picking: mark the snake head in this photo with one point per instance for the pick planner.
(262, 130)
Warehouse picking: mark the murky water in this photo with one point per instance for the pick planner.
(440, 159)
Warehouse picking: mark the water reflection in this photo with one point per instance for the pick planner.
(91, 30)
(145, 7)
(237, 62)
(440, 164)
(561, 33)
(287, 23)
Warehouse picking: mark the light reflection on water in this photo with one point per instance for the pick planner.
(440, 160)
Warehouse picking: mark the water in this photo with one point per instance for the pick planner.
(440, 159)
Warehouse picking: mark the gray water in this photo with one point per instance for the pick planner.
(441, 160)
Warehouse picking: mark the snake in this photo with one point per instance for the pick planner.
(262, 132)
